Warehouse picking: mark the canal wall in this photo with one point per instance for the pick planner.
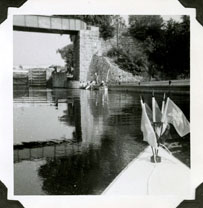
(156, 89)
(59, 79)
(20, 78)
(37, 77)
(171, 86)
(34, 77)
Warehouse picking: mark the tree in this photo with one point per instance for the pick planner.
(131, 59)
(106, 28)
(104, 22)
(172, 54)
(67, 55)
(167, 45)
(145, 26)
(148, 31)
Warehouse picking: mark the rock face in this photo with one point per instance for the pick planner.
(109, 72)
(105, 67)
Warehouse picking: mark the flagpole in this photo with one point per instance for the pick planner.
(165, 109)
(154, 119)
(162, 111)
(154, 154)
(153, 108)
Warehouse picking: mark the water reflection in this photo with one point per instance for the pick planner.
(90, 137)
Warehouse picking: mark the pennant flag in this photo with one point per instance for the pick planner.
(148, 111)
(147, 129)
(156, 111)
(157, 115)
(174, 115)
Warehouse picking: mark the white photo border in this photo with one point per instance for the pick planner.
(130, 7)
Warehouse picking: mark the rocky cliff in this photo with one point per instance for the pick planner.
(108, 71)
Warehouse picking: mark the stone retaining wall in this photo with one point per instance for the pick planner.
(108, 71)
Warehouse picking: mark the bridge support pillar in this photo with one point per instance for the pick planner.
(88, 43)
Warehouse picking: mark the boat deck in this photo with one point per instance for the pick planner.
(141, 177)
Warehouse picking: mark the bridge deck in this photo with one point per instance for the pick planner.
(52, 24)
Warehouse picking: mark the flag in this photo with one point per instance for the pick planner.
(174, 115)
(146, 128)
(157, 115)
(148, 111)
(156, 111)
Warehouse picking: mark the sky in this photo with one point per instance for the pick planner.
(39, 49)
(165, 17)
(174, 17)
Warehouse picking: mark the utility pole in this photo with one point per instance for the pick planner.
(117, 28)
(120, 24)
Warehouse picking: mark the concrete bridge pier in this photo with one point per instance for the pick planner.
(86, 45)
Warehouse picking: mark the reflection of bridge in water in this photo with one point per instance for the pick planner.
(50, 151)
(77, 114)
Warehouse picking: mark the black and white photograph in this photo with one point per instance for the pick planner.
(100, 99)
(100, 107)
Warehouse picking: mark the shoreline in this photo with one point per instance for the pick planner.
(175, 87)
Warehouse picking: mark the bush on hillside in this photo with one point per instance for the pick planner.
(136, 63)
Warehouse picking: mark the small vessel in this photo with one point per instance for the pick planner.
(141, 177)
(103, 88)
(100, 87)
(161, 174)
(94, 85)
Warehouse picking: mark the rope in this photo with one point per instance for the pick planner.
(148, 181)
(166, 148)
(155, 165)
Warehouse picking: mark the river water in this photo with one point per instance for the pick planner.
(75, 142)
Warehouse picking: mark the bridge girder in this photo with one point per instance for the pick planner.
(47, 24)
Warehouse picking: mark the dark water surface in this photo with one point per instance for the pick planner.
(75, 142)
